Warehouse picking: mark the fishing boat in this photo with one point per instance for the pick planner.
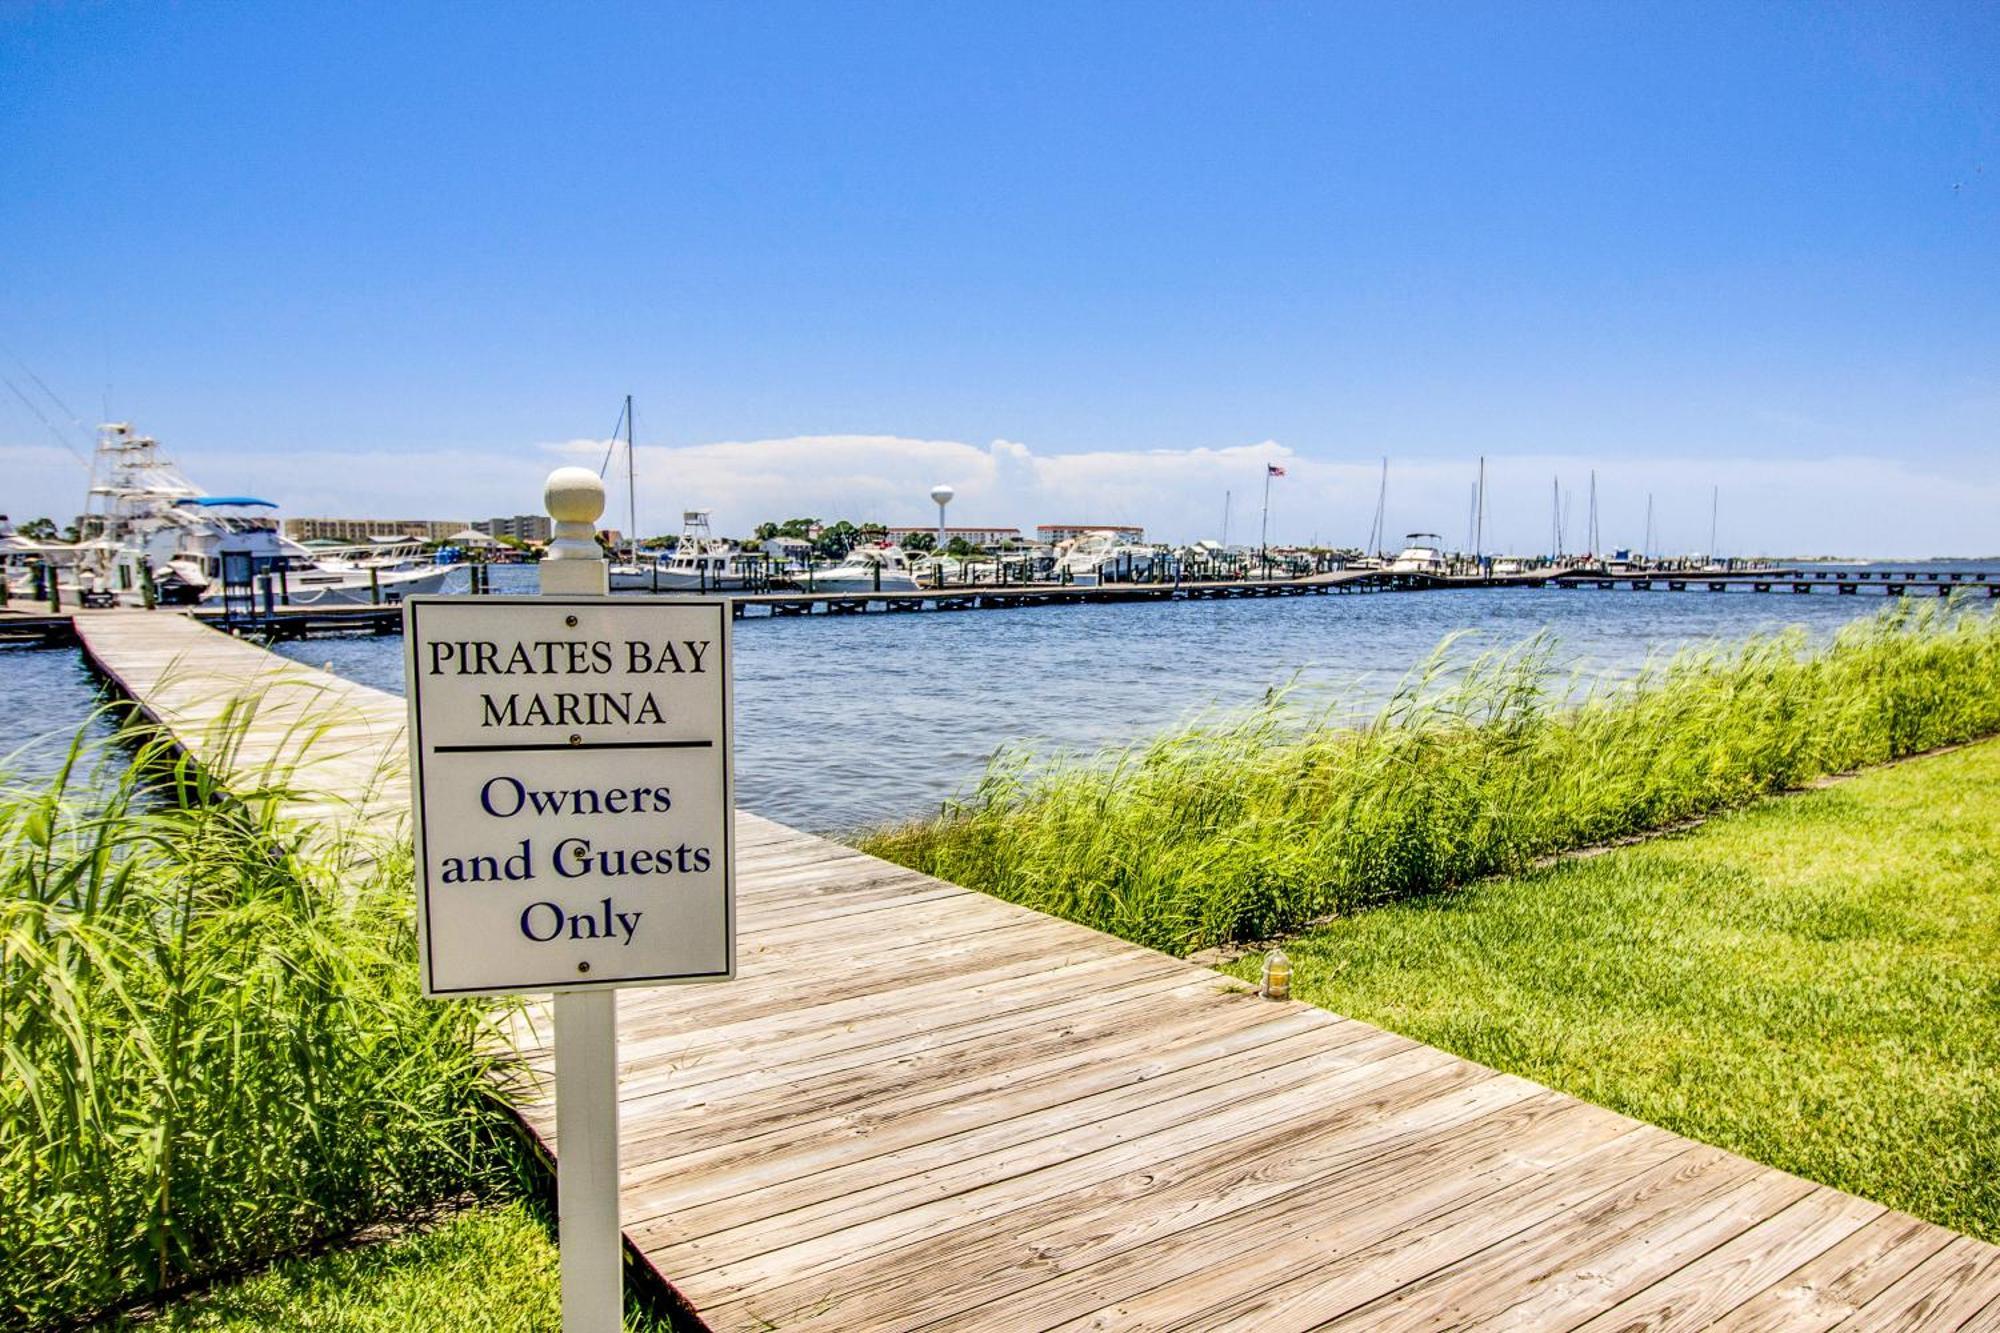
(1422, 553)
(699, 562)
(145, 522)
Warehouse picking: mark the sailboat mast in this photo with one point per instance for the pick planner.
(1556, 519)
(1714, 503)
(631, 490)
(1479, 523)
(1225, 520)
(1593, 514)
(1376, 536)
(1648, 552)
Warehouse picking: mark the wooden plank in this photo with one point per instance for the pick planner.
(862, 1188)
(1943, 1293)
(1152, 1286)
(1731, 1274)
(873, 1266)
(1560, 1261)
(1294, 1273)
(1153, 1207)
(1826, 1291)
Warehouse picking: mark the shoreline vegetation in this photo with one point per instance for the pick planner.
(215, 1049)
(1250, 826)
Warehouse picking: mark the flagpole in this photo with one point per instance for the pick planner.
(1264, 530)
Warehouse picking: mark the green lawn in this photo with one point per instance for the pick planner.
(491, 1268)
(1813, 981)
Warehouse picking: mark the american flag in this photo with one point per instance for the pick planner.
(1273, 470)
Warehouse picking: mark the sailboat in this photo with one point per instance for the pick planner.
(700, 561)
(1371, 558)
(626, 571)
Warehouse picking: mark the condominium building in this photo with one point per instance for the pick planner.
(1052, 533)
(971, 536)
(355, 531)
(521, 527)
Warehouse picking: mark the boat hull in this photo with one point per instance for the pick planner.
(357, 591)
(668, 580)
(890, 582)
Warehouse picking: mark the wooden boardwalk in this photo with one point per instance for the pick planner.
(922, 1108)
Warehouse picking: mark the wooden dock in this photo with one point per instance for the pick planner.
(28, 623)
(923, 1108)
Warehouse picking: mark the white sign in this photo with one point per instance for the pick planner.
(572, 767)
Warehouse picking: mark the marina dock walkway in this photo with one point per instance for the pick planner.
(923, 1108)
(33, 622)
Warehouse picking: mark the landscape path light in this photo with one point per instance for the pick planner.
(1277, 984)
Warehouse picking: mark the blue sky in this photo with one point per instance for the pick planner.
(1100, 260)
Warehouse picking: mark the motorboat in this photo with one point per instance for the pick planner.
(21, 557)
(1422, 553)
(867, 569)
(1102, 556)
(387, 571)
(699, 562)
(937, 571)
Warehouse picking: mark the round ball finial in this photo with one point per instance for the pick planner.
(573, 495)
(942, 493)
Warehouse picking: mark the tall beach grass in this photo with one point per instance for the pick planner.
(1248, 826)
(214, 1046)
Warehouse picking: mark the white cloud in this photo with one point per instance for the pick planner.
(1851, 505)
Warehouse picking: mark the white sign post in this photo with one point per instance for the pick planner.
(572, 764)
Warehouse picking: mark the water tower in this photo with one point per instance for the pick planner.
(942, 494)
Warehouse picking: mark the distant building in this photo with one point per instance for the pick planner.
(971, 536)
(1051, 533)
(354, 531)
(521, 527)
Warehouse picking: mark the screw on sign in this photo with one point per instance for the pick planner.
(573, 763)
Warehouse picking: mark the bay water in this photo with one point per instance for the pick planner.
(844, 721)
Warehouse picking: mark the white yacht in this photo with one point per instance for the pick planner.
(1089, 559)
(347, 575)
(19, 557)
(1423, 553)
(867, 569)
(144, 518)
(701, 562)
(936, 570)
